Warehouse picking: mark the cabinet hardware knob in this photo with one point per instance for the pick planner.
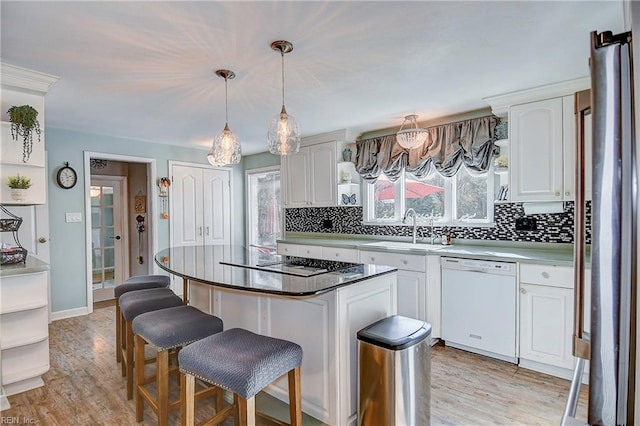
(207, 230)
(405, 262)
(337, 254)
(42, 240)
(567, 193)
(545, 275)
(200, 230)
(557, 193)
(523, 291)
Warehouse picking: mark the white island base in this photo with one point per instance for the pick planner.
(324, 325)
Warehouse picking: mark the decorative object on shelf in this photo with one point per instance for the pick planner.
(66, 177)
(502, 130)
(502, 163)
(11, 255)
(164, 184)
(349, 199)
(97, 163)
(346, 154)
(225, 148)
(345, 177)
(24, 122)
(140, 203)
(412, 136)
(283, 136)
(19, 185)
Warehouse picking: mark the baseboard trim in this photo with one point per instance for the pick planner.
(69, 313)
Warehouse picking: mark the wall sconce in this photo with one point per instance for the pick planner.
(164, 184)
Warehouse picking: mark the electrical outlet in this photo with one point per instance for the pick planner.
(327, 224)
(73, 217)
(526, 224)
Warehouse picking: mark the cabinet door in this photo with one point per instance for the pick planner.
(216, 204)
(546, 324)
(296, 177)
(536, 151)
(323, 183)
(412, 298)
(186, 206)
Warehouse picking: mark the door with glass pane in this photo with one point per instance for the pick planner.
(264, 211)
(108, 208)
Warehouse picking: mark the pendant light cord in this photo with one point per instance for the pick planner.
(282, 55)
(226, 103)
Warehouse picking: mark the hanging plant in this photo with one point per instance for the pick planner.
(24, 123)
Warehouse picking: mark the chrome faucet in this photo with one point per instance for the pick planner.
(411, 212)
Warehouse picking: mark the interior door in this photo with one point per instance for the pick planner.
(216, 207)
(108, 235)
(186, 206)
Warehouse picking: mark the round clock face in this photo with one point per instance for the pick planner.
(67, 177)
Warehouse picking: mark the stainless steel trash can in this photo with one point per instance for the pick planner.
(394, 373)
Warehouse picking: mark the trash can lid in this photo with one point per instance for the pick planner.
(395, 332)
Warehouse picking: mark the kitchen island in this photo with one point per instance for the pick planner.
(319, 305)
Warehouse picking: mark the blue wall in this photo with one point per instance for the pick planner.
(68, 269)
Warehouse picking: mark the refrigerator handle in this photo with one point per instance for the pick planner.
(581, 345)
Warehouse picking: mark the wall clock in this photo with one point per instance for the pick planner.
(67, 177)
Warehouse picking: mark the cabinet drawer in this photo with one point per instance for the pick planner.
(288, 249)
(400, 261)
(312, 252)
(554, 276)
(340, 254)
(25, 291)
(23, 327)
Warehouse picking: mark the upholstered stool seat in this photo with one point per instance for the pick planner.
(243, 363)
(138, 282)
(133, 304)
(166, 329)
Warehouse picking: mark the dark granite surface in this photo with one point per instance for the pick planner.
(263, 272)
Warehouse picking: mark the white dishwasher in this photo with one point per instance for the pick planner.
(479, 306)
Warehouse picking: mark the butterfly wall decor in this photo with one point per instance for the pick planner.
(348, 199)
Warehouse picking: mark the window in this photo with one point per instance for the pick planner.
(463, 198)
(264, 209)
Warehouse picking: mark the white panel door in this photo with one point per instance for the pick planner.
(187, 206)
(216, 204)
(322, 165)
(536, 136)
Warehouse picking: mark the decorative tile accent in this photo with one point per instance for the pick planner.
(551, 228)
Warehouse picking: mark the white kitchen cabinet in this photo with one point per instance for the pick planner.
(310, 176)
(546, 318)
(200, 206)
(339, 254)
(24, 330)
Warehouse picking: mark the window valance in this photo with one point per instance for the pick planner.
(449, 146)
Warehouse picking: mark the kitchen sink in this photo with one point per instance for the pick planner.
(401, 245)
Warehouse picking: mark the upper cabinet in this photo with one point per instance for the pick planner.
(23, 87)
(311, 175)
(542, 140)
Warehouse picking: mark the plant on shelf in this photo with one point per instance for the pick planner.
(24, 123)
(19, 185)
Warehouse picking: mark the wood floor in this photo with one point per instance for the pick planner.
(84, 386)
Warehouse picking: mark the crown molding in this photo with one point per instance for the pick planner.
(14, 77)
(342, 135)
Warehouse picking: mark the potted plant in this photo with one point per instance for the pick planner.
(24, 123)
(19, 185)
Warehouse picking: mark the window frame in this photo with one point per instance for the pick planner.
(449, 201)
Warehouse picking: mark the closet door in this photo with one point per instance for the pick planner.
(217, 206)
(187, 206)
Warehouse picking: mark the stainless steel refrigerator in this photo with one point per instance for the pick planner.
(609, 345)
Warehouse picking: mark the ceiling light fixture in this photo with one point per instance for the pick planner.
(413, 136)
(225, 148)
(284, 135)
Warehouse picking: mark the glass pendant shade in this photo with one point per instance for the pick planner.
(284, 135)
(413, 136)
(225, 149)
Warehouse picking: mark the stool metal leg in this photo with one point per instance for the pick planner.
(295, 397)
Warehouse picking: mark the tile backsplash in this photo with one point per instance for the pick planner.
(551, 228)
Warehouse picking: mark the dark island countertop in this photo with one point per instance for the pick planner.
(252, 269)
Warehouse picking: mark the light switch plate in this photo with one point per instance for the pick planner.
(73, 217)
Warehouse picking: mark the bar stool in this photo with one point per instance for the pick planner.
(138, 282)
(243, 363)
(167, 329)
(133, 304)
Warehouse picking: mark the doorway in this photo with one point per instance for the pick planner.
(120, 202)
(109, 236)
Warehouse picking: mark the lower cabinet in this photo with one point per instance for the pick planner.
(339, 254)
(24, 331)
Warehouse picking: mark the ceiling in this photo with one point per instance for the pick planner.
(145, 70)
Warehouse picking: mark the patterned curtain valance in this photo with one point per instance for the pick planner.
(469, 142)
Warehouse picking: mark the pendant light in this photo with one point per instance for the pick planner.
(225, 148)
(283, 136)
(412, 136)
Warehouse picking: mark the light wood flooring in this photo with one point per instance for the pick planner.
(84, 386)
